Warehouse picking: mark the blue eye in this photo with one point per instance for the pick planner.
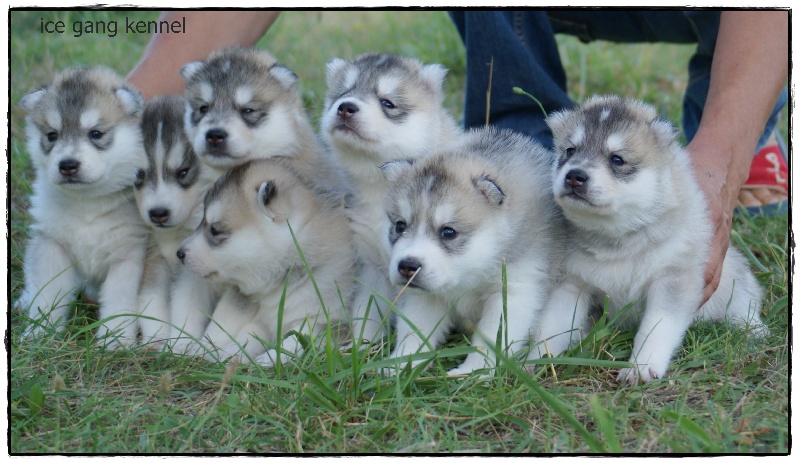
(617, 161)
(399, 227)
(387, 104)
(96, 134)
(447, 233)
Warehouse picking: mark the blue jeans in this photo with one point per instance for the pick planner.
(522, 49)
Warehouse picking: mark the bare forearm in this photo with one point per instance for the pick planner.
(748, 73)
(749, 70)
(157, 72)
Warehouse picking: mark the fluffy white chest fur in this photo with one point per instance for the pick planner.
(624, 270)
(96, 232)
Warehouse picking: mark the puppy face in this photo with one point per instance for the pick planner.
(83, 133)
(240, 103)
(441, 227)
(383, 105)
(244, 239)
(612, 161)
(171, 185)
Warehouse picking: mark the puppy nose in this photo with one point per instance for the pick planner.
(68, 167)
(216, 137)
(408, 267)
(576, 178)
(181, 254)
(346, 110)
(159, 215)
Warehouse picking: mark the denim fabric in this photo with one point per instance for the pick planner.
(518, 49)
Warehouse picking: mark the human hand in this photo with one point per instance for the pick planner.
(713, 174)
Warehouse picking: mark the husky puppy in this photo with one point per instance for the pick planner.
(241, 104)
(639, 234)
(455, 219)
(380, 108)
(84, 140)
(169, 192)
(255, 219)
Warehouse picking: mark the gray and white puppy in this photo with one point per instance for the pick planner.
(255, 219)
(639, 233)
(84, 140)
(456, 220)
(379, 108)
(241, 104)
(169, 192)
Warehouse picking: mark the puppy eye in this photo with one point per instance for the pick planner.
(387, 104)
(569, 152)
(214, 229)
(617, 161)
(399, 227)
(248, 110)
(203, 109)
(183, 173)
(96, 134)
(447, 233)
(52, 136)
(139, 178)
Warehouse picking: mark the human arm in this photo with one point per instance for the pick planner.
(748, 73)
(157, 72)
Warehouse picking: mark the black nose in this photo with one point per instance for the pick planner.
(216, 137)
(408, 267)
(576, 178)
(159, 215)
(346, 110)
(181, 254)
(68, 167)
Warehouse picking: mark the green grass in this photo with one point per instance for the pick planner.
(725, 392)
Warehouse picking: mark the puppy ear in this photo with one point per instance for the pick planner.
(433, 76)
(29, 101)
(285, 76)
(189, 70)
(266, 192)
(131, 100)
(664, 131)
(333, 67)
(557, 121)
(490, 190)
(392, 170)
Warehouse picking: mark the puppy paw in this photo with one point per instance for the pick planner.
(461, 372)
(117, 333)
(632, 376)
(117, 339)
(474, 361)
